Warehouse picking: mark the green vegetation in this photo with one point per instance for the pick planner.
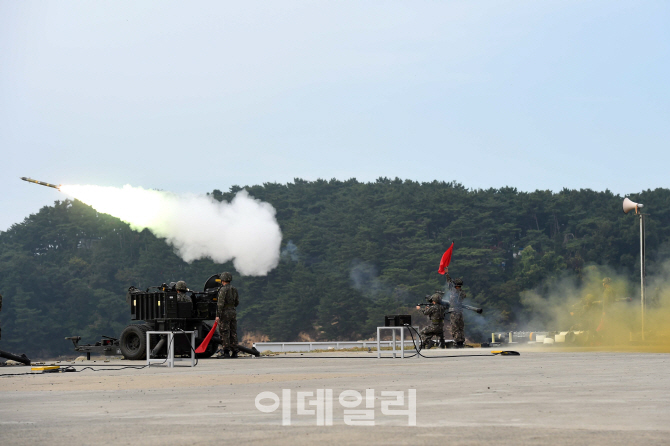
(352, 253)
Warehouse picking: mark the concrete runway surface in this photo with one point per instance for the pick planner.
(571, 398)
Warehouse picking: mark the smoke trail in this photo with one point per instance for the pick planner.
(365, 278)
(244, 230)
(290, 252)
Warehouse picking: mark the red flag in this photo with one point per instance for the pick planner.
(205, 342)
(446, 259)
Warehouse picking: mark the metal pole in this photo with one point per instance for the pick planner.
(642, 272)
(379, 350)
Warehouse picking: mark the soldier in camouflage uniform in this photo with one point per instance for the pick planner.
(457, 296)
(608, 294)
(226, 315)
(0, 310)
(181, 292)
(436, 313)
(585, 314)
(615, 321)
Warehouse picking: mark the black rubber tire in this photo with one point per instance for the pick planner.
(133, 342)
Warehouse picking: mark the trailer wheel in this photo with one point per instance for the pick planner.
(133, 342)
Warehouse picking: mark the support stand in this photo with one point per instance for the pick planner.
(170, 354)
(394, 345)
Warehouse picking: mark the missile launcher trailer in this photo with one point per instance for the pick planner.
(159, 309)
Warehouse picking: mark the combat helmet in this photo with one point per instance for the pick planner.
(458, 282)
(436, 297)
(226, 277)
(181, 286)
(607, 281)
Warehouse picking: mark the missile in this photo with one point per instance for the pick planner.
(41, 183)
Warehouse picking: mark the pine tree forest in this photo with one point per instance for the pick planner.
(352, 252)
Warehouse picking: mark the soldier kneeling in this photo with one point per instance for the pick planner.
(435, 312)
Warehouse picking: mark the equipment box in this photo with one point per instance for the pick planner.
(398, 320)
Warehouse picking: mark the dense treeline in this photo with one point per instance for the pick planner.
(352, 252)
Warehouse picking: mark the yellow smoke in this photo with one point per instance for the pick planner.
(606, 323)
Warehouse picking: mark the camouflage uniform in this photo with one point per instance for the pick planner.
(456, 318)
(181, 297)
(436, 313)
(181, 290)
(228, 299)
(608, 294)
(615, 319)
(0, 310)
(586, 314)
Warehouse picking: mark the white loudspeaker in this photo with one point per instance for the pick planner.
(630, 205)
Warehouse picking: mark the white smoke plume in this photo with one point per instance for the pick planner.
(244, 230)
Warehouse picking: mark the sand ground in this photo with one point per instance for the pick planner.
(540, 397)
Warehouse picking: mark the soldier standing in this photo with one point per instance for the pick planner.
(608, 294)
(0, 310)
(456, 319)
(436, 313)
(584, 313)
(614, 321)
(226, 315)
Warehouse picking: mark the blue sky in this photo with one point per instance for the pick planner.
(196, 96)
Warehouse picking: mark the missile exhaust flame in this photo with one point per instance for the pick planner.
(244, 230)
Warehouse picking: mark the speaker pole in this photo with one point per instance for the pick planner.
(628, 206)
(642, 271)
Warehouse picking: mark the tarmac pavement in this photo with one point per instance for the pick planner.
(540, 397)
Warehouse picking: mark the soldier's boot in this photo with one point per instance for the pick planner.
(226, 353)
(442, 343)
(459, 344)
(234, 355)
